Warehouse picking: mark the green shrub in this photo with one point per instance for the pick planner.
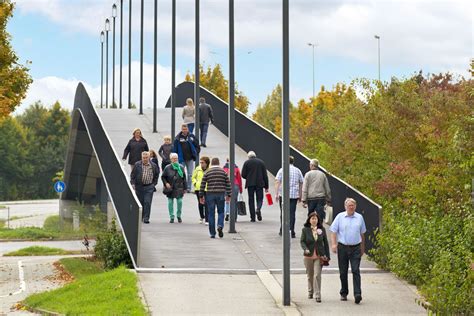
(111, 249)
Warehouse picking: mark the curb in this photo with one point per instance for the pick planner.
(42, 311)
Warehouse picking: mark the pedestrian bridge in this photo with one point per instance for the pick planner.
(95, 174)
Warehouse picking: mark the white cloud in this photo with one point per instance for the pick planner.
(50, 89)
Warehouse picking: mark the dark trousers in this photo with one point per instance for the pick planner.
(145, 196)
(293, 203)
(317, 205)
(213, 201)
(202, 208)
(346, 254)
(203, 132)
(258, 192)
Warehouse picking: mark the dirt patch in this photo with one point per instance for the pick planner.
(61, 275)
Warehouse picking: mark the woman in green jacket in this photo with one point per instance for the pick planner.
(196, 180)
(315, 245)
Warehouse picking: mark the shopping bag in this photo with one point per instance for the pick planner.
(241, 209)
(328, 210)
(269, 198)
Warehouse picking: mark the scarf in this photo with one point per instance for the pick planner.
(177, 167)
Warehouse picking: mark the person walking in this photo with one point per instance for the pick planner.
(256, 180)
(296, 184)
(188, 114)
(236, 188)
(187, 147)
(314, 243)
(348, 241)
(196, 179)
(174, 186)
(135, 146)
(205, 116)
(165, 150)
(316, 191)
(144, 178)
(216, 185)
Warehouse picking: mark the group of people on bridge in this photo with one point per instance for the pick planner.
(210, 183)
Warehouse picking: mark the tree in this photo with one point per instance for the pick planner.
(14, 78)
(213, 79)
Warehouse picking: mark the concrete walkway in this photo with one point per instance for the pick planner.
(238, 274)
(28, 213)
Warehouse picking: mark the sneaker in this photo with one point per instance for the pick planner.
(146, 221)
(358, 298)
(318, 300)
(171, 220)
(259, 216)
(201, 221)
(227, 218)
(221, 233)
(207, 223)
(310, 295)
(180, 220)
(213, 237)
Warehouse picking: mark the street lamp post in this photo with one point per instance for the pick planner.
(155, 54)
(130, 54)
(196, 75)
(378, 44)
(313, 45)
(173, 67)
(114, 15)
(121, 46)
(141, 57)
(107, 29)
(102, 35)
(231, 118)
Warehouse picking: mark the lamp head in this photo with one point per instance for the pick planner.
(102, 36)
(114, 10)
(377, 37)
(107, 25)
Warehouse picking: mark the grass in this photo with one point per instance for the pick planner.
(110, 293)
(81, 267)
(39, 251)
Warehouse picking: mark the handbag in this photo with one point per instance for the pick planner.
(167, 191)
(241, 208)
(324, 261)
(269, 198)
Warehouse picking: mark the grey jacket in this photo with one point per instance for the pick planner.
(205, 113)
(316, 185)
(188, 114)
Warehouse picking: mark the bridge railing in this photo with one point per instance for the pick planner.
(128, 208)
(250, 135)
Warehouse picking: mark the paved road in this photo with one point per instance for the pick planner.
(31, 213)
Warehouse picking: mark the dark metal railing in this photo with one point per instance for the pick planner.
(249, 135)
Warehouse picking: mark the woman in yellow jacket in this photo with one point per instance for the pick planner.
(196, 180)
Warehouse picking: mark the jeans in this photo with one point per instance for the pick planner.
(179, 204)
(145, 196)
(234, 200)
(203, 213)
(214, 200)
(346, 254)
(203, 132)
(317, 205)
(258, 192)
(189, 173)
(293, 203)
(191, 127)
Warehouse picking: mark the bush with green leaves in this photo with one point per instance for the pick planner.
(111, 249)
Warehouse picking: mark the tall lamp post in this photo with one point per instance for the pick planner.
(102, 35)
(173, 67)
(378, 44)
(313, 45)
(231, 118)
(155, 55)
(141, 57)
(130, 54)
(121, 46)
(196, 75)
(107, 29)
(114, 15)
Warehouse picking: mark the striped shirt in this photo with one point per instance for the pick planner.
(216, 180)
(147, 174)
(296, 178)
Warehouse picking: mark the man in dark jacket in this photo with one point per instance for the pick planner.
(187, 147)
(144, 178)
(205, 116)
(256, 179)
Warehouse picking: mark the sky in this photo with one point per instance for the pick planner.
(61, 38)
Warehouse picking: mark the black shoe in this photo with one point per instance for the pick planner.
(310, 295)
(318, 300)
(172, 220)
(221, 233)
(146, 221)
(343, 297)
(279, 233)
(180, 220)
(259, 216)
(227, 218)
(213, 237)
(252, 220)
(204, 145)
(293, 235)
(358, 298)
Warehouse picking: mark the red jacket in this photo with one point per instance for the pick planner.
(237, 176)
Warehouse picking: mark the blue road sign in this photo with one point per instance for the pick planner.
(59, 186)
